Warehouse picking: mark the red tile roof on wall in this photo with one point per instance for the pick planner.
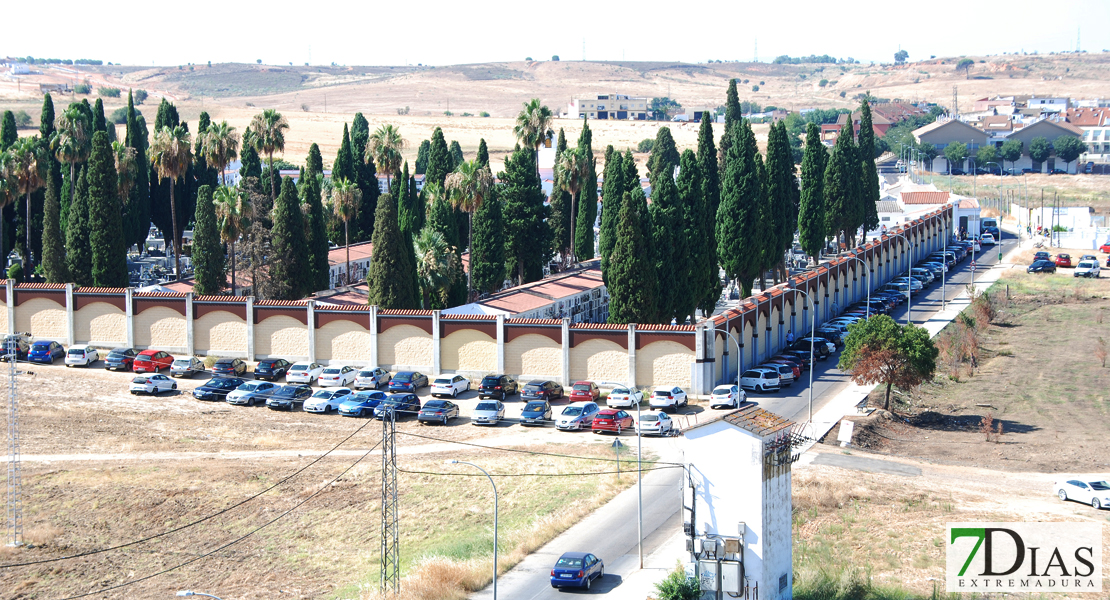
(40, 286)
(159, 295)
(758, 421)
(925, 197)
(299, 303)
(220, 298)
(533, 321)
(99, 290)
(422, 313)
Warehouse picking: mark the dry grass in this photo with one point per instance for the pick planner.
(41, 535)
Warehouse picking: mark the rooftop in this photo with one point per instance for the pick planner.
(925, 197)
(359, 251)
(758, 421)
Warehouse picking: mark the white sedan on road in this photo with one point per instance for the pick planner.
(623, 397)
(665, 397)
(654, 423)
(304, 373)
(87, 356)
(727, 396)
(450, 385)
(1096, 493)
(152, 384)
(337, 376)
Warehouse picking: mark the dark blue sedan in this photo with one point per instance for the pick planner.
(218, 388)
(361, 404)
(576, 569)
(408, 381)
(45, 352)
(402, 404)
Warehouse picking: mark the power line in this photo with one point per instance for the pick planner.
(233, 542)
(539, 474)
(534, 452)
(198, 521)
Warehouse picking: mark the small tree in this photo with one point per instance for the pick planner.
(879, 350)
(677, 586)
(1068, 148)
(900, 57)
(1011, 151)
(965, 65)
(986, 154)
(1039, 149)
(955, 153)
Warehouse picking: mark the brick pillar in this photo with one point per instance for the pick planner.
(69, 315)
(310, 307)
(437, 346)
(250, 328)
(190, 326)
(500, 344)
(374, 337)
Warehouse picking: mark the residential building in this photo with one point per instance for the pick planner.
(1048, 105)
(360, 254)
(947, 130)
(579, 294)
(610, 106)
(1049, 129)
(19, 68)
(997, 128)
(896, 112)
(1095, 123)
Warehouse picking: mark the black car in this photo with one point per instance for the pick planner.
(407, 381)
(218, 388)
(497, 386)
(15, 344)
(404, 404)
(820, 350)
(229, 366)
(541, 390)
(536, 412)
(271, 369)
(120, 359)
(1042, 266)
(287, 397)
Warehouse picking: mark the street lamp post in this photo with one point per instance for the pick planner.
(460, 462)
(866, 275)
(729, 334)
(192, 593)
(812, 333)
(909, 277)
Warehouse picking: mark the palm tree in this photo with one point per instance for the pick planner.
(126, 169)
(436, 266)
(72, 142)
(572, 166)
(171, 153)
(468, 187)
(533, 125)
(346, 198)
(25, 168)
(233, 211)
(220, 145)
(269, 136)
(384, 148)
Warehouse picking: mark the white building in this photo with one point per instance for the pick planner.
(737, 503)
(19, 69)
(610, 106)
(1048, 105)
(579, 294)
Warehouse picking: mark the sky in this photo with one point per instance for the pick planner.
(441, 33)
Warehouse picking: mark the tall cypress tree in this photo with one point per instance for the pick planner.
(739, 233)
(664, 155)
(709, 282)
(631, 271)
(487, 258)
(781, 187)
(631, 174)
(456, 153)
(250, 164)
(316, 234)
(561, 220)
(203, 173)
(367, 181)
(528, 246)
(483, 153)
(733, 115)
(587, 199)
(842, 177)
(99, 122)
(208, 253)
(54, 173)
(137, 210)
(439, 159)
(53, 248)
(670, 249)
(344, 165)
(360, 134)
(869, 185)
(390, 280)
(419, 209)
(690, 260)
(422, 154)
(109, 254)
(613, 190)
(811, 215)
(406, 208)
(288, 251)
(9, 133)
(441, 218)
(78, 253)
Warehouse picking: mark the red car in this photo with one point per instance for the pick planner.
(793, 365)
(152, 361)
(611, 419)
(584, 391)
(1063, 260)
(1105, 247)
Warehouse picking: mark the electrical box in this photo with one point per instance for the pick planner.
(707, 575)
(732, 577)
(732, 546)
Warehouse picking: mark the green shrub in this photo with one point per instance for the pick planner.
(678, 587)
(82, 88)
(645, 145)
(483, 114)
(15, 272)
(108, 92)
(119, 116)
(139, 96)
(22, 119)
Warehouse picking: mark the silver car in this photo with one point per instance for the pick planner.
(251, 393)
(372, 379)
(488, 412)
(578, 415)
(186, 367)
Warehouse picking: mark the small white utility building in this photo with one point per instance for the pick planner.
(737, 504)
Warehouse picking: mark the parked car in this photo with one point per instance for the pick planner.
(760, 379)
(450, 385)
(337, 376)
(251, 393)
(497, 386)
(288, 397)
(326, 400)
(1095, 493)
(786, 374)
(81, 356)
(654, 423)
(987, 239)
(218, 388)
(624, 397)
(1063, 260)
(398, 405)
(536, 412)
(438, 411)
(1089, 257)
(372, 379)
(120, 359)
(488, 412)
(612, 419)
(584, 391)
(1042, 255)
(45, 351)
(541, 390)
(1105, 247)
(577, 415)
(794, 366)
(1087, 268)
(361, 404)
(664, 397)
(271, 369)
(17, 345)
(407, 381)
(1041, 266)
(304, 373)
(834, 335)
(799, 356)
(187, 367)
(820, 348)
(576, 569)
(152, 361)
(230, 366)
(152, 384)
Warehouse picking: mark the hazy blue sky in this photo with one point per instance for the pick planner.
(437, 32)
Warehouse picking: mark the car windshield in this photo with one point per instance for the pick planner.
(751, 374)
(116, 355)
(1099, 486)
(533, 387)
(139, 380)
(581, 387)
(487, 406)
(331, 371)
(249, 387)
(183, 362)
(572, 411)
(443, 381)
(491, 380)
(76, 352)
(224, 383)
(435, 404)
(365, 373)
(571, 563)
(722, 390)
(299, 367)
(649, 418)
(323, 394)
(533, 407)
(41, 345)
(286, 392)
(1082, 265)
(666, 393)
(223, 362)
(403, 377)
(619, 392)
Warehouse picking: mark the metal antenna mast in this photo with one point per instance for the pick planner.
(955, 100)
(15, 470)
(391, 549)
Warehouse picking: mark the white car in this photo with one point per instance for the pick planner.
(304, 373)
(152, 384)
(488, 412)
(664, 397)
(831, 346)
(760, 379)
(337, 376)
(727, 396)
(987, 239)
(786, 373)
(450, 385)
(81, 356)
(372, 379)
(577, 415)
(1085, 268)
(1096, 493)
(623, 397)
(325, 401)
(654, 423)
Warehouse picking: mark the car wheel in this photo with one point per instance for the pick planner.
(619, 429)
(173, 387)
(1062, 494)
(454, 393)
(445, 420)
(587, 582)
(1095, 504)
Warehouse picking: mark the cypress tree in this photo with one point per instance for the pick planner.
(419, 209)
(869, 185)
(631, 271)
(670, 249)
(561, 219)
(204, 174)
(316, 234)
(78, 253)
(9, 133)
(733, 115)
(842, 188)
(367, 182)
(105, 222)
(689, 252)
(739, 234)
(54, 173)
(439, 160)
(422, 154)
(709, 283)
(781, 187)
(664, 155)
(344, 165)
(208, 254)
(483, 153)
(811, 215)
(631, 174)
(441, 218)
(53, 248)
(137, 211)
(456, 155)
(612, 191)
(99, 122)
(390, 280)
(288, 251)
(528, 246)
(487, 258)
(360, 135)
(250, 163)
(587, 199)
(406, 208)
